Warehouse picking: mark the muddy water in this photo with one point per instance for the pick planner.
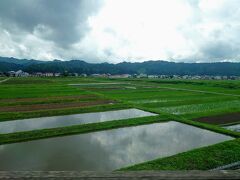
(61, 121)
(106, 150)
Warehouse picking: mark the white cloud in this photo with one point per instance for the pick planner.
(133, 30)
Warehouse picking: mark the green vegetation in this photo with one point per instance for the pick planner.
(214, 128)
(37, 95)
(182, 101)
(56, 112)
(217, 106)
(199, 159)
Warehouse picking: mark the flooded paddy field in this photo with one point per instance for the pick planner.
(69, 120)
(106, 150)
(233, 127)
(36, 103)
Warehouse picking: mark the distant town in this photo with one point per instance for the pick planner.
(21, 73)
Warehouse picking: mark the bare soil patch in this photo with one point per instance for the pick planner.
(47, 98)
(220, 119)
(52, 106)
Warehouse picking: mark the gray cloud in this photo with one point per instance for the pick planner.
(219, 50)
(63, 22)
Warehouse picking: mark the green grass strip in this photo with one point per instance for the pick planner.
(199, 159)
(77, 129)
(56, 112)
(172, 117)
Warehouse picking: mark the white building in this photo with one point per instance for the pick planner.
(21, 73)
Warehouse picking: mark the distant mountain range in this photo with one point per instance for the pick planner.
(147, 67)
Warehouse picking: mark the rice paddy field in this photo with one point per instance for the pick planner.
(209, 105)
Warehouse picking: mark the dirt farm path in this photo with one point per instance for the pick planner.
(4, 80)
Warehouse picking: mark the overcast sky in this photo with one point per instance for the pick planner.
(121, 30)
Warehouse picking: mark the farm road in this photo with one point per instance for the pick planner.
(4, 80)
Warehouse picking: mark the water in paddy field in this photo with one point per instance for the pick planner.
(233, 127)
(106, 150)
(69, 120)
